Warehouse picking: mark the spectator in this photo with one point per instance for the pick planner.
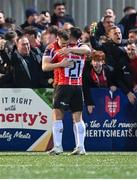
(59, 17)
(85, 38)
(10, 37)
(31, 18)
(116, 57)
(96, 74)
(112, 47)
(129, 21)
(34, 38)
(132, 35)
(129, 10)
(6, 79)
(44, 20)
(26, 69)
(3, 30)
(109, 12)
(10, 24)
(132, 54)
(103, 28)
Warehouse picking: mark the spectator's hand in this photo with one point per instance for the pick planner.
(135, 88)
(90, 108)
(113, 88)
(131, 97)
(2, 44)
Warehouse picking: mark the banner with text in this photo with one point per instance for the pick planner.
(111, 127)
(25, 121)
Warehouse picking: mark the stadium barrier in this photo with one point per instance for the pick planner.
(25, 122)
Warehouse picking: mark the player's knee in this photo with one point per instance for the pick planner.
(57, 114)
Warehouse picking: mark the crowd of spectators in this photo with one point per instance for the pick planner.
(112, 63)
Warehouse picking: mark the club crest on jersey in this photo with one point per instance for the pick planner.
(112, 107)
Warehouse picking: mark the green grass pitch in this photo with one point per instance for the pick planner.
(26, 165)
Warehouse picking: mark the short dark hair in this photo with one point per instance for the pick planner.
(87, 29)
(52, 30)
(105, 17)
(10, 35)
(44, 12)
(1, 11)
(127, 8)
(133, 31)
(75, 32)
(113, 27)
(31, 31)
(63, 34)
(59, 4)
(10, 20)
(114, 12)
(20, 37)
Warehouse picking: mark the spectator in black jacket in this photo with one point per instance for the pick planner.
(116, 57)
(7, 47)
(113, 48)
(128, 22)
(96, 74)
(26, 68)
(34, 38)
(31, 18)
(38, 48)
(59, 17)
(103, 27)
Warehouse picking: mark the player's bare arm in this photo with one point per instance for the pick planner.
(83, 49)
(48, 66)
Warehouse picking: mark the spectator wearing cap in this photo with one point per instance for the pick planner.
(59, 16)
(31, 18)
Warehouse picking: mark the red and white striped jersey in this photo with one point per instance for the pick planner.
(69, 75)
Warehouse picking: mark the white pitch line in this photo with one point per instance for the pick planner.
(77, 165)
(11, 165)
(65, 153)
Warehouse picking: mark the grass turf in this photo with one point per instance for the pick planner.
(28, 165)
